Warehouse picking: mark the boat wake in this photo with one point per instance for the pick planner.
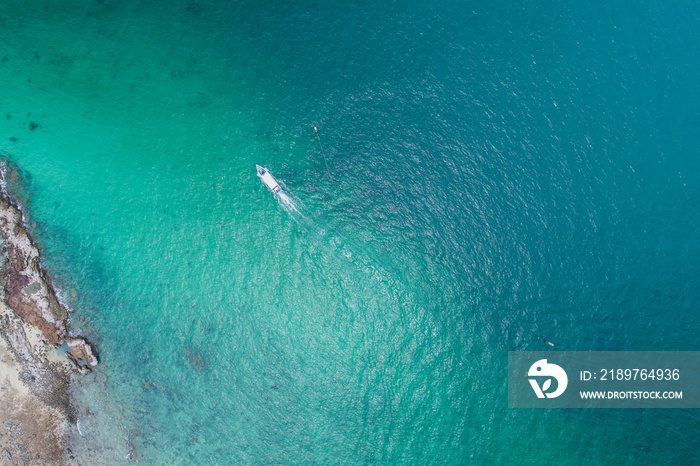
(298, 212)
(328, 239)
(294, 208)
(288, 203)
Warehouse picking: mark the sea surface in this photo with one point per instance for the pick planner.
(486, 175)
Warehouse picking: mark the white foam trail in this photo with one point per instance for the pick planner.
(295, 209)
(335, 244)
(288, 202)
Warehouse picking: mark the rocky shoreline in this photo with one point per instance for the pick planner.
(35, 327)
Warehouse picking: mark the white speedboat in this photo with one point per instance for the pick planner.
(268, 179)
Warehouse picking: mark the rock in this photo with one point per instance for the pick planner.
(40, 307)
(82, 369)
(80, 348)
(30, 310)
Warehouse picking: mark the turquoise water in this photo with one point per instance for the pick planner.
(501, 173)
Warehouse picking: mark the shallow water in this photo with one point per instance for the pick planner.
(501, 173)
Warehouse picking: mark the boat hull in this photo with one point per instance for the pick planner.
(268, 179)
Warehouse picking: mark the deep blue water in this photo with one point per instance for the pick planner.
(500, 172)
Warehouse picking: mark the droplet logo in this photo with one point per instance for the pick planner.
(542, 369)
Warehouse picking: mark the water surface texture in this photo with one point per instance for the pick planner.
(500, 173)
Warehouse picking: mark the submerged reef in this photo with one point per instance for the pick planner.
(34, 325)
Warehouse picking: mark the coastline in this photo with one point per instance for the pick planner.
(38, 354)
(31, 431)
